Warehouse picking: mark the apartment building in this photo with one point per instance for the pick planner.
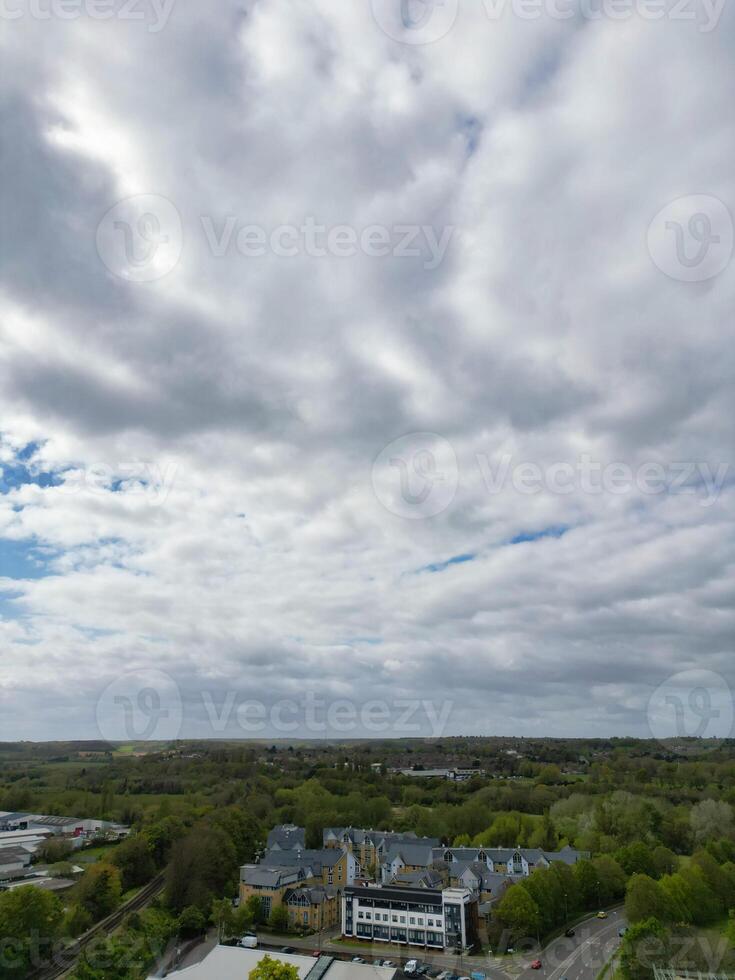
(432, 918)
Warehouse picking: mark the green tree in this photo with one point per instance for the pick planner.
(77, 921)
(202, 865)
(544, 836)
(191, 922)
(111, 959)
(134, 858)
(664, 861)
(269, 969)
(645, 944)
(54, 849)
(278, 919)
(28, 916)
(636, 858)
(711, 819)
(645, 899)
(254, 910)
(611, 878)
(222, 916)
(588, 883)
(99, 890)
(518, 911)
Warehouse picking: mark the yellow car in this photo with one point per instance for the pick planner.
(602, 915)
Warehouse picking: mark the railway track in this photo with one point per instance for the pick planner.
(105, 926)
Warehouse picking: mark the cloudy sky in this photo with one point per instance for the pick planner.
(366, 367)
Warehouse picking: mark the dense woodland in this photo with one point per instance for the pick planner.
(656, 818)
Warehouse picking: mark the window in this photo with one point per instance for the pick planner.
(412, 921)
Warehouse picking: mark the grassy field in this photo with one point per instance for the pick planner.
(92, 854)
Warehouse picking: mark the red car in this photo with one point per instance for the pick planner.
(536, 965)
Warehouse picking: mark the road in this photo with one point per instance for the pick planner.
(582, 956)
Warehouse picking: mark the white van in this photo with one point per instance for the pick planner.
(411, 968)
(250, 941)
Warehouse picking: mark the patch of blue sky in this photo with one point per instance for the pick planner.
(439, 566)
(555, 531)
(21, 471)
(24, 559)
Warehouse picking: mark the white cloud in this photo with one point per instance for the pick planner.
(213, 431)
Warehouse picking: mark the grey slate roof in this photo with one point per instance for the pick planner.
(300, 858)
(287, 836)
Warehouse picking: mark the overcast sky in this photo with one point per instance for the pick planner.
(362, 351)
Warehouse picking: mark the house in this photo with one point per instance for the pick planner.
(418, 879)
(431, 918)
(312, 907)
(405, 856)
(513, 861)
(285, 837)
(270, 884)
(370, 846)
(328, 866)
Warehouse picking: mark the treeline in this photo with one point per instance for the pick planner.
(551, 897)
(668, 912)
(200, 857)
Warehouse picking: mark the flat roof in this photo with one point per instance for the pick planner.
(422, 896)
(235, 963)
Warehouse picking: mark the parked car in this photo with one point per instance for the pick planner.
(536, 965)
(288, 949)
(602, 915)
(249, 941)
(411, 968)
(569, 932)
